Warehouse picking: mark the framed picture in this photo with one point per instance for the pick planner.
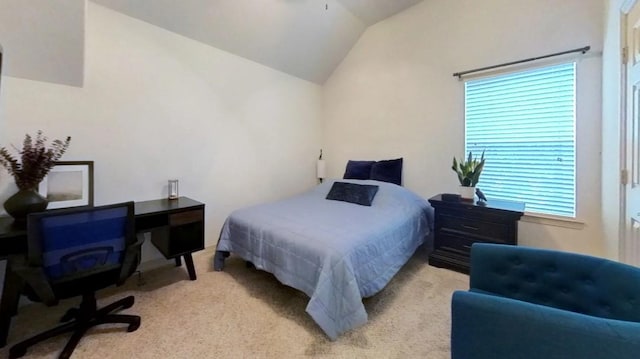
(68, 184)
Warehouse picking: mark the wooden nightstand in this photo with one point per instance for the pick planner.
(460, 224)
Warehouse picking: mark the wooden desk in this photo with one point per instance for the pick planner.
(176, 227)
(12, 240)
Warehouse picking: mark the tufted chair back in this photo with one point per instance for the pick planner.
(568, 281)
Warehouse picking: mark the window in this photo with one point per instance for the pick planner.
(525, 123)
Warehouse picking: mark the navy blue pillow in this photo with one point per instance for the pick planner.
(387, 171)
(362, 194)
(358, 170)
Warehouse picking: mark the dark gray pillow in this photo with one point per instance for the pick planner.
(387, 171)
(358, 170)
(362, 194)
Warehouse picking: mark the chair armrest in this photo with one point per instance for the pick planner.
(131, 259)
(35, 278)
(488, 326)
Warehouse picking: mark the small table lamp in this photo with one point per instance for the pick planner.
(321, 170)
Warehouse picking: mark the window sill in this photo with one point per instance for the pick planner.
(549, 220)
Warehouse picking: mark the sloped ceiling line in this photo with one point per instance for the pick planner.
(304, 38)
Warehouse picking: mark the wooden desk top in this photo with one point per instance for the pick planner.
(164, 205)
(8, 230)
(13, 240)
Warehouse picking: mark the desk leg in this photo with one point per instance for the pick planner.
(178, 261)
(9, 304)
(188, 260)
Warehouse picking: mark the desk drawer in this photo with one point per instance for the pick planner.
(178, 219)
(490, 230)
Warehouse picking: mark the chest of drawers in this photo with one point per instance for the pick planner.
(460, 224)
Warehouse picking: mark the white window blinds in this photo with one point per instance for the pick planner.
(525, 123)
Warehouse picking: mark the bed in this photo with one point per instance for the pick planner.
(336, 252)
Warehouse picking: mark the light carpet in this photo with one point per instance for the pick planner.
(245, 313)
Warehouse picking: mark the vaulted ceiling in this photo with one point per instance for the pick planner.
(304, 38)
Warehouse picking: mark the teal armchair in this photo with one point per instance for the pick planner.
(528, 303)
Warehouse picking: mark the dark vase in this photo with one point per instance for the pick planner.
(22, 203)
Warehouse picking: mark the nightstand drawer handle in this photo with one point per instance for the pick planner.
(470, 227)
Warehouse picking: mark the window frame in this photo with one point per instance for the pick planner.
(567, 221)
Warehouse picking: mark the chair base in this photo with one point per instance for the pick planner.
(84, 318)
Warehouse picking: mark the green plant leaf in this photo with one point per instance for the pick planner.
(469, 171)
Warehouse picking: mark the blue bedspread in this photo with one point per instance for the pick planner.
(335, 252)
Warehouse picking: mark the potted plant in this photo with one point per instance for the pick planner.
(36, 160)
(468, 174)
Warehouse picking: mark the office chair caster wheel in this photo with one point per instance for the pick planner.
(134, 326)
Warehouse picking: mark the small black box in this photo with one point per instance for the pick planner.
(450, 197)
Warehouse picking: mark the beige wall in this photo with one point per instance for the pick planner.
(157, 106)
(34, 30)
(394, 95)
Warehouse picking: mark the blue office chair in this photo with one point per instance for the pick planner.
(530, 303)
(73, 252)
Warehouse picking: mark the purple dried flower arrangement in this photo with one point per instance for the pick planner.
(36, 160)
